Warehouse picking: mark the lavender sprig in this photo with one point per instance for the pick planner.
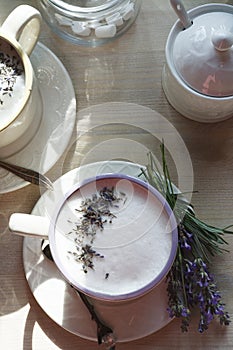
(189, 282)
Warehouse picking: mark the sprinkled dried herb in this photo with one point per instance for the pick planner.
(95, 211)
(10, 69)
(85, 255)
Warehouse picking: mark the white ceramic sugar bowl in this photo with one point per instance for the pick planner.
(198, 74)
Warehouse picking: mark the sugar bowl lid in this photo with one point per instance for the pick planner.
(203, 49)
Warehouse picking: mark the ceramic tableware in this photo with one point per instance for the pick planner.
(198, 73)
(127, 255)
(46, 146)
(20, 100)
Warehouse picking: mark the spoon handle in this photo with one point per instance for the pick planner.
(104, 333)
(28, 175)
(181, 12)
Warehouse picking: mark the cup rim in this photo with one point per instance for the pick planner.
(149, 286)
(28, 71)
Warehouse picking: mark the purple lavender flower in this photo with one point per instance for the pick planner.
(198, 289)
(185, 238)
(185, 244)
(203, 292)
(189, 282)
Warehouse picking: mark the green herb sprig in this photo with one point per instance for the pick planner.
(189, 282)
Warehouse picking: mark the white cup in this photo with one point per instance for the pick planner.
(20, 100)
(135, 247)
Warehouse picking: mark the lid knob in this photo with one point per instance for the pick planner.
(222, 40)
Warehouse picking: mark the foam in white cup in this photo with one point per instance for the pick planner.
(12, 83)
(136, 248)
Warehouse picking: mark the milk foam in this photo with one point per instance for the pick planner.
(136, 246)
(12, 82)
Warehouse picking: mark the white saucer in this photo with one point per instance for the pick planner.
(129, 321)
(59, 115)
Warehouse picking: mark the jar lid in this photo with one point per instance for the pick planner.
(203, 52)
(84, 6)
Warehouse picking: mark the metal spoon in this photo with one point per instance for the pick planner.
(28, 175)
(104, 333)
(181, 13)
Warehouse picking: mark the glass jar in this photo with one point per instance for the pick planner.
(89, 22)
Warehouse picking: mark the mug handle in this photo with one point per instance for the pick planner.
(23, 23)
(29, 225)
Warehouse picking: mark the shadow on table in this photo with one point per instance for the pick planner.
(13, 287)
(57, 335)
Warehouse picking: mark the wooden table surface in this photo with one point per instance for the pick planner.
(126, 71)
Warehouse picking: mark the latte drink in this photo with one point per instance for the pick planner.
(128, 253)
(12, 82)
